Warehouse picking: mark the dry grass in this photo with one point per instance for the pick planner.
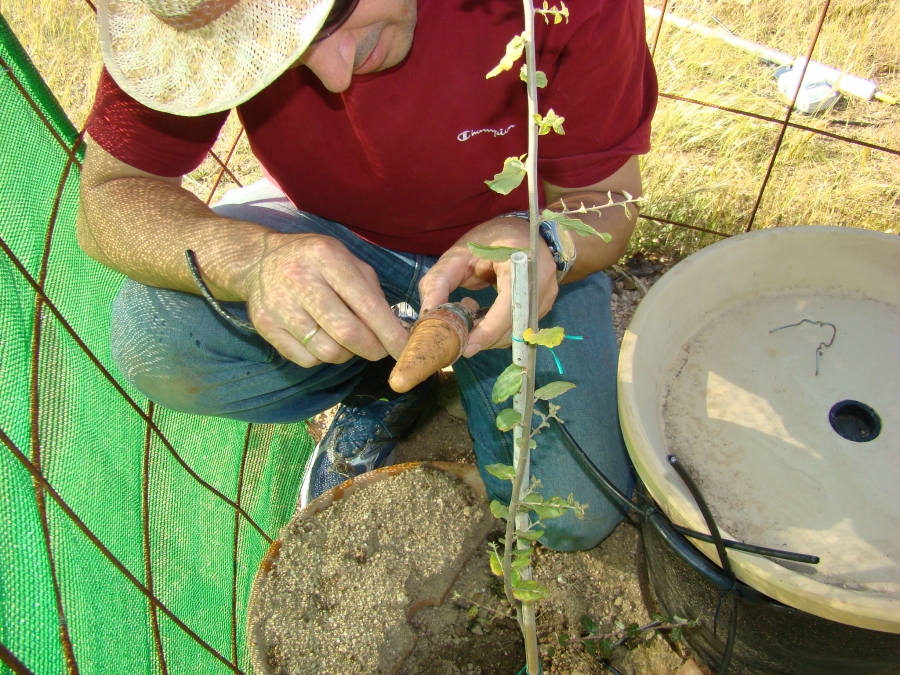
(707, 166)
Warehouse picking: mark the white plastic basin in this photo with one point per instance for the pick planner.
(702, 376)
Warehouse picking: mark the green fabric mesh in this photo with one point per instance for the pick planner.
(63, 604)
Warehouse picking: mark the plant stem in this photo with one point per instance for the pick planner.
(653, 625)
(529, 627)
(495, 612)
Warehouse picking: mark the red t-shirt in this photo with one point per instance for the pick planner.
(401, 156)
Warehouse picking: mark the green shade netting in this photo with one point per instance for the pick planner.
(64, 605)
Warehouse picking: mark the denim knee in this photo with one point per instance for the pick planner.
(162, 342)
(179, 353)
(568, 533)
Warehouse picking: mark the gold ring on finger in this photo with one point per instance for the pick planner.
(309, 336)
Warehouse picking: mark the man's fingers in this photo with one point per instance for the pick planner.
(323, 347)
(291, 349)
(445, 276)
(471, 304)
(495, 324)
(351, 308)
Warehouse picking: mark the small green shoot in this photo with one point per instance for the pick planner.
(510, 178)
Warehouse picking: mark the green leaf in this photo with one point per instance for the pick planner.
(510, 178)
(501, 471)
(529, 596)
(605, 648)
(662, 618)
(676, 634)
(499, 510)
(532, 444)
(633, 630)
(493, 253)
(530, 535)
(514, 50)
(572, 224)
(549, 122)
(546, 337)
(557, 13)
(589, 625)
(523, 552)
(472, 614)
(563, 639)
(519, 563)
(540, 78)
(591, 647)
(619, 625)
(529, 590)
(508, 383)
(545, 512)
(551, 651)
(496, 564)
(552, 390)
(532, 498)
(508, 418)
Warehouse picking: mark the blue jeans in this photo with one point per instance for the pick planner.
(176, 350)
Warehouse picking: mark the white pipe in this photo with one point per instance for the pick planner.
(817, 72)
(520, 349)
(766, 54)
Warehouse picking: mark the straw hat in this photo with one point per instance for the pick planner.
(193, 57)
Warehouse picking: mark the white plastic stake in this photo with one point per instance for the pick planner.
(521, 351)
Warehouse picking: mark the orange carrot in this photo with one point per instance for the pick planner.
(437, 339)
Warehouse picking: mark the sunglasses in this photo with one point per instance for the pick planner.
(340, 12)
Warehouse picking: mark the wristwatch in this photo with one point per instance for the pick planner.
(559, 240)
(562, 246)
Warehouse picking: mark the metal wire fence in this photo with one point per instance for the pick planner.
(227, 654)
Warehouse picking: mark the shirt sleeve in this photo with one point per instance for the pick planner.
(159, 143)
(601, 79)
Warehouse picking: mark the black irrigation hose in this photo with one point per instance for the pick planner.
(693, 534)
(749, 548)
(704, 510)
(723, 579)
(723, 559)
(208, 296)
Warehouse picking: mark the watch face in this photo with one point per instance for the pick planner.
(566, 243)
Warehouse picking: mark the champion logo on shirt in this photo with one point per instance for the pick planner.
(466, 135)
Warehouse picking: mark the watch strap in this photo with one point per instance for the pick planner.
(563, 252)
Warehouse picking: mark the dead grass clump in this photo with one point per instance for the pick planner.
(60, 36)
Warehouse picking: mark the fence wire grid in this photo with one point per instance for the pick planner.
(53, 341)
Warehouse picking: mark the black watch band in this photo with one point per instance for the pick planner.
(550, 233)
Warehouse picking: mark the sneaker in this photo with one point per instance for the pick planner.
(362, 438)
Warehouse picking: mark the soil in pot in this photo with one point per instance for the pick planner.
(340, 594)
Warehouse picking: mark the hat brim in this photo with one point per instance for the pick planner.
(209, 69)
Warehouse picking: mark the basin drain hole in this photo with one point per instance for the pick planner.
(855, 421)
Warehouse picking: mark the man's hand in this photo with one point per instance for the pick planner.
(141, 225)
(459, 268)
(306, 280)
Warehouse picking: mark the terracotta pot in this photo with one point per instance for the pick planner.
(255, 638)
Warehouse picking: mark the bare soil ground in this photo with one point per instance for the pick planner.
(605, 584)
